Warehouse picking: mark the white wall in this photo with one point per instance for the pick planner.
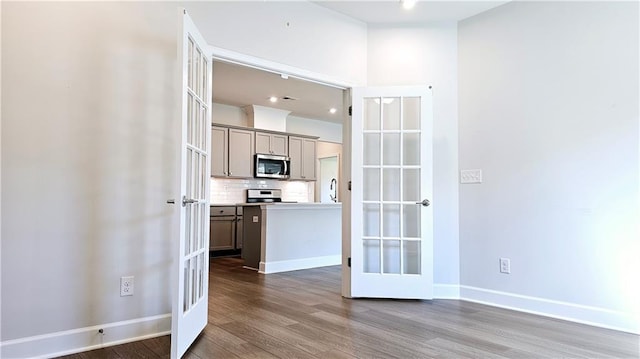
(294, 33)
(327, 131)
(549, 112)
(87, 157)
(87, 151)
(328, 149)
(228, 115)
(427, 55)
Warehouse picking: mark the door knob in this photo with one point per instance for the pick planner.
(425, 202)
(186, 201)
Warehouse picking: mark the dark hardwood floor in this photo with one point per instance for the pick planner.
(302, 315)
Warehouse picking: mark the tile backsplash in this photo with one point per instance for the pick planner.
(225, 190)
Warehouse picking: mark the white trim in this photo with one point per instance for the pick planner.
(446, 291)
(87, 338)
(595, 316)
(297, 264)
(233, 57)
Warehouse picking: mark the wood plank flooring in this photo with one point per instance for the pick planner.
(302, 315)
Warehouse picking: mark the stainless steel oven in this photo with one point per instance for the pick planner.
(270, 166)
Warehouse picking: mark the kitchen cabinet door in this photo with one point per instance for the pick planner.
(279, 145)
(302, 152)
(263, 143)
(295, 154)
(241, 151)
(271, 144)
(309, 159)
(239, 232)
(222, 233)
(219, 151)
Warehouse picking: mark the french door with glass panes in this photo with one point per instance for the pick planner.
(190, 280)
(391, 174)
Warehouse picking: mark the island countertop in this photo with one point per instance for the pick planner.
(283, 205)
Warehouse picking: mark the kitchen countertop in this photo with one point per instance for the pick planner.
(280, 204)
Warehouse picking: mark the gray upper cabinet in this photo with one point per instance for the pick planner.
(219, 151)
(232, 152)
(271, 143)
(302, 152)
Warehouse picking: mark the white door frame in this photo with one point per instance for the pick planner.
(233, 57)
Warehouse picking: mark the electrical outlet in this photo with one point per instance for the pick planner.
(126, 286)
(255, 219)
(505, 265)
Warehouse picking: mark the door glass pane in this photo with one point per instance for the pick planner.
(371, 219)
(371, 185)
(391, 143)
(391, 220)
(391, 186)
(203, 176)
(411, 257)
(391, 113)
(189, 118)
(371, 110)
(411, 185)
(187, 230)
(189, 179)
(411, 113)
(371, 258)
(190, 64)
(185, 293)
(391, 256)
(371, 149)
(411, 149)
(411, 221)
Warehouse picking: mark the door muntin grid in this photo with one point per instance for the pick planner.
(391, 241)
(194, 262)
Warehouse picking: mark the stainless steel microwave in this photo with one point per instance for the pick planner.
(270, 166)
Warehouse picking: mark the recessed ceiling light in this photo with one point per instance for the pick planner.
(408, 4)
(332, 110)
(273, 99)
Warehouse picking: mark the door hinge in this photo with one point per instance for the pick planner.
(349, 186)
(350, 110)
(349, 262)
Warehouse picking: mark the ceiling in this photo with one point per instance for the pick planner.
(391, 12)
(241, 86)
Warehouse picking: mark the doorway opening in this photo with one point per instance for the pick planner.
(233, 92)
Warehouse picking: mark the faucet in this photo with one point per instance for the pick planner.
(334, 187)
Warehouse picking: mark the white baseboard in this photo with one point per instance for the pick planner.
(446, 291)
(88, 338)
(296, 264)
(599, 317)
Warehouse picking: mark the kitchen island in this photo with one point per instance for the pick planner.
(291, 236)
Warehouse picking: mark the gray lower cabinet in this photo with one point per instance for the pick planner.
(222, 227)
(239, 229)
(225, 228)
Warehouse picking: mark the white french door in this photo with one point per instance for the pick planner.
(391, 174)
(191, 253)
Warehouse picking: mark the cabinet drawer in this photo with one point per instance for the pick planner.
(222, 211)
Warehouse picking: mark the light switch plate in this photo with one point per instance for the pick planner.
(471, 176)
